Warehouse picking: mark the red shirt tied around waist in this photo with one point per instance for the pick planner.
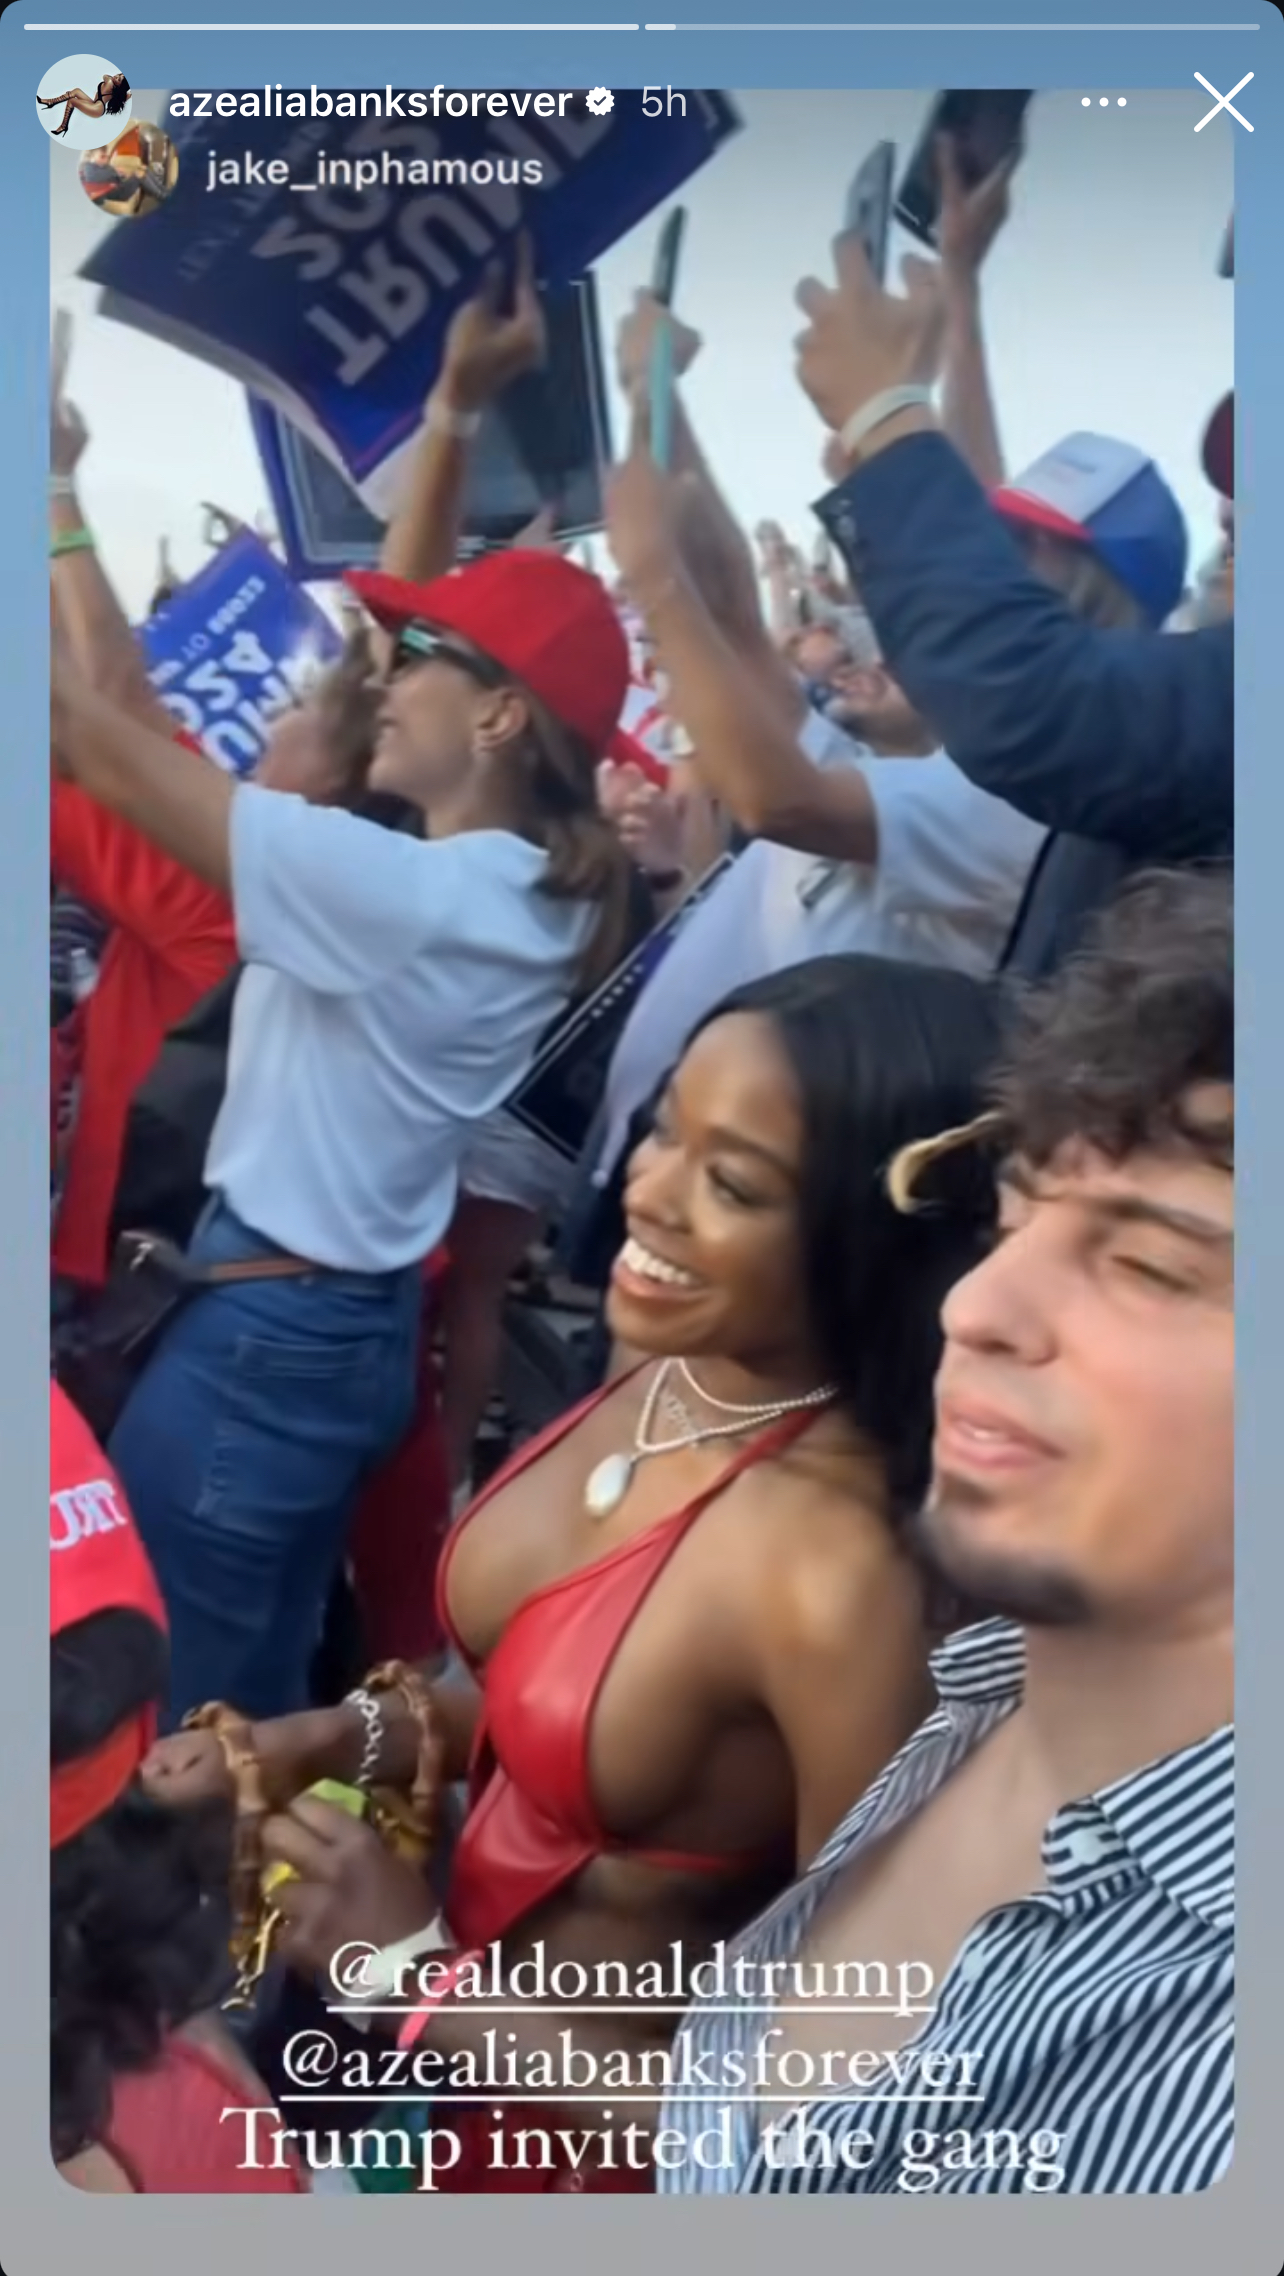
(162, 2130)
(172, 939)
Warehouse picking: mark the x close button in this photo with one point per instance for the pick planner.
(1224, 102)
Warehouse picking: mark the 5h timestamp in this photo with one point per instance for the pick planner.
(663, 102)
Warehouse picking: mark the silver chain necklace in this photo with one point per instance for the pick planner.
(610, 1481)
(820, 1398)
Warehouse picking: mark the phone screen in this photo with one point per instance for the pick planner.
(664, 279)
(664, 275)
(986, 124)
(868, 213)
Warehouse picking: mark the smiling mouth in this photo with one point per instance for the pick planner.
(641, 1263)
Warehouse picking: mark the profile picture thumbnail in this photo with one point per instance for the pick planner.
(131, 175)
(77, 95)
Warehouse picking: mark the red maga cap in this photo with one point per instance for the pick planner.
(96, 1564)
(546, 622)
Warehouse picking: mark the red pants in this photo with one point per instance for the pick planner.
(402, 1521)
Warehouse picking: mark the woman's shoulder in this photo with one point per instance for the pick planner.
(822, 1546)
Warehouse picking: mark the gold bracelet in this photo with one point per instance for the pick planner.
(407, 1823)
(251, 1934)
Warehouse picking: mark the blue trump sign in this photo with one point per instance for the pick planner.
(336, 308)
(235, 648)
(543, 444)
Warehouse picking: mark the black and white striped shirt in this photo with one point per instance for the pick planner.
(1101, 2004)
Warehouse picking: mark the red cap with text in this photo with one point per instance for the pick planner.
(96, 1564)
(543, 620)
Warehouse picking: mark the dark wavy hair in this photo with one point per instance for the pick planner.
(1117, 1049)
(884, 1055)
(137, 1901)
(116, 101)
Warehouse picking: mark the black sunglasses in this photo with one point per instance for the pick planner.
(420, 644)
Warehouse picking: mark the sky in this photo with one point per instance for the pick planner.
(1103, 310)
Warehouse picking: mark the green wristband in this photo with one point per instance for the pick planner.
(71, 541)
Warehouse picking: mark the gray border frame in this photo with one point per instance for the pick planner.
(44, 2225)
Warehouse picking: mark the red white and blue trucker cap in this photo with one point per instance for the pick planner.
(1108, 496)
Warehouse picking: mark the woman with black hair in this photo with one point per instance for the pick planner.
(107, 102)
(653, 1752)
(141, 2068)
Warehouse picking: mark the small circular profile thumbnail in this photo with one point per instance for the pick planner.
(76, 95)
(131, 175)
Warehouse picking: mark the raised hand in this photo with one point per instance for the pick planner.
(636, 338)
(643, 520)
(68, 436)
(861, 340)
(970, 218)
(486, 350)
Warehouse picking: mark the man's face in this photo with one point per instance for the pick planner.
(1083, 1461)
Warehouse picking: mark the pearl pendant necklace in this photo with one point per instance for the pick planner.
(610, 1481)
(608, 1485)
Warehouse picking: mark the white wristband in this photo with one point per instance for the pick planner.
(441, 419)
(879, 410)
(381, 1971)
(62, 485)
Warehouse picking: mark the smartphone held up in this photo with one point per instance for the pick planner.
(868, 212)
(986, 128)
(664, 282)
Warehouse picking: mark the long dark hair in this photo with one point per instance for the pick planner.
(558, 810)
(114, 103)
(137, 1919)
(884, 1054)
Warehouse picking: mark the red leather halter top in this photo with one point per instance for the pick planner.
(532, 1824)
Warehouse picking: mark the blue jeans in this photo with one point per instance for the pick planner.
(243, 1448)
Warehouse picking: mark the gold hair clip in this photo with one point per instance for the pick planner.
(907, 1167)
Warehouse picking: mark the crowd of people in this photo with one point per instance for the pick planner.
(873, 1608)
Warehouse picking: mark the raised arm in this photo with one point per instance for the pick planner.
(718, 555)
(485, 351)
(744, 724)
(1119, 736)
(99, 638)
(970, 222)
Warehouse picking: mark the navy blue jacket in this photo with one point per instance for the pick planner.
(1121, 743)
